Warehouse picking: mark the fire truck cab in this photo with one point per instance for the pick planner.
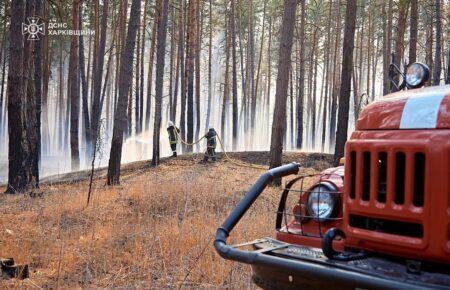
(381, 221)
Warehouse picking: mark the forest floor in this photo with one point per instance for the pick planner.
(154, 231)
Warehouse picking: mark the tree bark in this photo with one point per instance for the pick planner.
(160, 60)
(301, 77)
(74, 86)
(437, 54)
(347, 68)
(125, 76)
(413, 31)
(387, 45)
(284, 66)
(84, 88)
(150, 64)
(234, 72)
(98, 75)
(208, 111)
(190, 69)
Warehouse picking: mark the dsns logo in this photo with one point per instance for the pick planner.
(33, 28)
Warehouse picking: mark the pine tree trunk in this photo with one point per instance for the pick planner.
(17, 177)
(74, 85)
(326, 77)
(208, 111)
(190, 69)
(284, 66)
(141, 89)
(150, 63)
(413, 31)
(181, 46)
(98, 75)
(234, 72)
(447, 79)
(438, 52)
(37, 91)
(226, 90)
(84, 88)
(301, 77)
(137, 93)
(336, 76)
(125, 76)
(197, 69)
(160, 59)
(387, 45)
(347, 68)
(401, 27)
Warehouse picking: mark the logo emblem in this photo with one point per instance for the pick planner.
(33, 28)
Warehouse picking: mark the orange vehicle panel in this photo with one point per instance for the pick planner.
(388, 112)
(432, 215)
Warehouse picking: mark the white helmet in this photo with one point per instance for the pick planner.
(170, 123)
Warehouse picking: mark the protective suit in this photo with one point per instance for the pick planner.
(173, 131)
(211, 144)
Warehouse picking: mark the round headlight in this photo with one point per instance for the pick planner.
(417, 75)
(322, 201)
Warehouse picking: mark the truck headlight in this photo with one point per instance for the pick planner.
(417, 75)
(322, 201)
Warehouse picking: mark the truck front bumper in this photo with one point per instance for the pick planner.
(279, 265)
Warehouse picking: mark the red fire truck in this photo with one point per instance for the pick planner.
(380, 221)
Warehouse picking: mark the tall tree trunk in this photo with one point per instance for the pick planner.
(251, 55)
(120, 117)
(403, 7)
(160, 59)
(326, 77)
(437, 53)
(447, 79)
(98, 75)
(137, 93)
(347, 68)
(74, 85)
(301, 77)
(336, 76)
(190, 69)
(284, 66)
(17, 178)
(413, 31)
(226, 90)
(150, 63)
(181, 45)
(84, 88)
(141, 89)
(38, 91)
(197, 68)
(234, 72)
(208, 111)
(269, 74)
(387, 45)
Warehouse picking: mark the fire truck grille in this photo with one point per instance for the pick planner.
(387, 226)
(371, 172)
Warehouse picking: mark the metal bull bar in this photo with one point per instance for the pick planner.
(292, 266)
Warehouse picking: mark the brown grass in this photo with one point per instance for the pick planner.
(150, 232)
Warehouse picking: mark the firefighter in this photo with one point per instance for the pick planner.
(173, 137)
(211, 144)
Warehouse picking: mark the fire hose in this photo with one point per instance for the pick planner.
(242, 164)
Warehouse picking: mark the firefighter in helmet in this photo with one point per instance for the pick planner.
(211, 143)
(173, 137)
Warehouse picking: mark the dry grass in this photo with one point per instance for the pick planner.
(149, 232)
